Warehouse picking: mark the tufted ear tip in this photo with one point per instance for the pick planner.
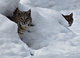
(71, 14)
(17, 11)
(62, 15)
(29, 12)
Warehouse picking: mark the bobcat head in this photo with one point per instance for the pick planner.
(69, 18)
(23, 20)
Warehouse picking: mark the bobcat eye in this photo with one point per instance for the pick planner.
(23, 23)
(27, 18)
(21, 18)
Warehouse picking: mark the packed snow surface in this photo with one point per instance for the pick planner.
(8, 6)
(51, 37)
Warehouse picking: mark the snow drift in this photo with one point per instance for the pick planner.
(8, 6)
(49, 38)
(10, 43)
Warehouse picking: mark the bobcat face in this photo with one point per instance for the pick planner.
(23, 20)
(69, 18)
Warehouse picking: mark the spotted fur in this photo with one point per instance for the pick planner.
(22, 19)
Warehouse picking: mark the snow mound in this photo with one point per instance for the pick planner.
(8, 6)
(52, 4)
(47, 22)
(51, 37)
(10, 44)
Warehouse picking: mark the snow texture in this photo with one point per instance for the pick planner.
(51, 37)
(8, 6)
(10, 44)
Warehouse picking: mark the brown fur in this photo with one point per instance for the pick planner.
(69, 18)
(22, 19)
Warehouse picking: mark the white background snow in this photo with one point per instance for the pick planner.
(49, 38)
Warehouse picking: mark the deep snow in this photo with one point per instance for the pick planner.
(10, 43)
(8, 6)
(49, 38)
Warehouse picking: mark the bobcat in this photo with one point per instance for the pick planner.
(69, 18)
(22, 19)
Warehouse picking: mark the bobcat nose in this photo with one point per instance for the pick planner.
(70, 24)
(24, 23)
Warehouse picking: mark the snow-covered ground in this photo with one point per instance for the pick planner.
(8, 6)
(49, 38)
(10, 44)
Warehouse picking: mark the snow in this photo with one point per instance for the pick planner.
(8, 6)
(10, 43)
(51, 37)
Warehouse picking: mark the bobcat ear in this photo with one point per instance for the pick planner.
(62, 15)
(29, 12)
(17, 11)
(71, 14)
